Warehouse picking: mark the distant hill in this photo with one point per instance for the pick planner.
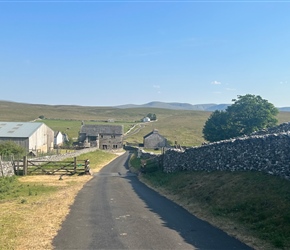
(286, 109)
(9, 107)
(184, 106)
(177, 106)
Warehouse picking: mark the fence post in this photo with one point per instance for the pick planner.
(2, 172)
(75, 164)
(25, 165)
(18, 170)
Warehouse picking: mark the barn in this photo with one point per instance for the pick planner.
(101, 136)
(35, 137)
(154, 140)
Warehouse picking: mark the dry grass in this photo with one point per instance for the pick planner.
(190, 190)
(231, 228)
(34, 223)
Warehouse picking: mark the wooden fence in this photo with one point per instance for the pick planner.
(42, 167)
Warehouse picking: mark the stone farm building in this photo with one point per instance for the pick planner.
(35, 137)
(154, 140)
(101, 136)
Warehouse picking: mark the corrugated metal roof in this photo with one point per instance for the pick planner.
(18, 129)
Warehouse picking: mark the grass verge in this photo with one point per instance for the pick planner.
(34, 207)
(251, 206)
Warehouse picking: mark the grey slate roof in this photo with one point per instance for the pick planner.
(56, 133)
(93, 130)
(18, 129)
(154, 131)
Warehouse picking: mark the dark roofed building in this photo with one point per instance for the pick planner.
(154, 140)
(101, 136)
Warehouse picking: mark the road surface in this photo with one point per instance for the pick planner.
(115, 210)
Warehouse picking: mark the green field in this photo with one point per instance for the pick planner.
(182, 126)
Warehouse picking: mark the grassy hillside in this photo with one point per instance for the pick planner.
(11, 111)
(183, 126)
(176, 125)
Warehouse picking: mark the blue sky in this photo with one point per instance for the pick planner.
(107, 53)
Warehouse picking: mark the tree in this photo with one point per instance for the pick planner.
(217, 127)
(152, 116)
(249, 113)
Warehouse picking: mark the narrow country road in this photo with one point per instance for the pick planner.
(115, 210)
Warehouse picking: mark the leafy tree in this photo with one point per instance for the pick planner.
(11, 148)
(152, 116)
(217, 127)
(249, 113)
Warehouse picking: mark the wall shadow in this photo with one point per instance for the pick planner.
(193, 230)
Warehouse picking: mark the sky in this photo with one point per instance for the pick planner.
(109, 53)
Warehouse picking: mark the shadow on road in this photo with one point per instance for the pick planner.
(194, 231)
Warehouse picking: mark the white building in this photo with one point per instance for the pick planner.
(35, 137)
(146, 119)
(58, 139)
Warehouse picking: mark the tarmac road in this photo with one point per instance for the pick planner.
(115, 210)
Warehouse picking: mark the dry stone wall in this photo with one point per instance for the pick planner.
(6, 168)
(61, 157)
(266, 151)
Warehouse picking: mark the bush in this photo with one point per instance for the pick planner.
(11, 148)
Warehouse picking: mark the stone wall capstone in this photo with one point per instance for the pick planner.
(266, 151)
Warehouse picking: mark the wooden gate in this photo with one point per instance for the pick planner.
(42, 167)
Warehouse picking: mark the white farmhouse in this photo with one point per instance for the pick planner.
(58, 139)
(146, 119)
